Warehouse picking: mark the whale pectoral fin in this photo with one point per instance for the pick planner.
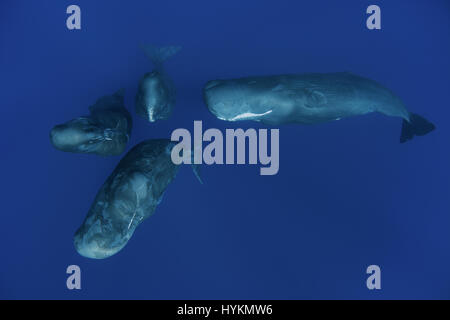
(195, 167)
(196, 170)
(314, 98)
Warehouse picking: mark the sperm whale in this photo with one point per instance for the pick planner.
(156, 93)
(129, 196)
(104, 132)
(308, 99)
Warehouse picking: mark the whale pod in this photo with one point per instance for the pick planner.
(129, 196)
(307, 99)
(104, 132)
(156, 93)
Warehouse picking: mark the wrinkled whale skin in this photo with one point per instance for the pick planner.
(104, 132)
(308, 99)
(130, 195)
(300, 98)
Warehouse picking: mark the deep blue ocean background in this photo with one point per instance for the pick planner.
(347, 195)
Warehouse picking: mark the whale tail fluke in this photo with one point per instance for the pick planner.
(416, 126)
(159, 54)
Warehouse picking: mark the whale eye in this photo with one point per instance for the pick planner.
(314, 98)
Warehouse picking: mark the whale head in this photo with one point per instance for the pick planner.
(72, 134)
(153, 98)
(116, 213)
(233, 100)
(81, 134)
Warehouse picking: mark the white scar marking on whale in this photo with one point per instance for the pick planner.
(151, 117)
(249, 115)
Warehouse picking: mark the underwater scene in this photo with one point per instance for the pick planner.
(268, 150)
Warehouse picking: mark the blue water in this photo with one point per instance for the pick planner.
(347, 195)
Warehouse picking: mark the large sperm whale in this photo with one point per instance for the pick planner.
(307, 99)
(129, 196)
(104, 132)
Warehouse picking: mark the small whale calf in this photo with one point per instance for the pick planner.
(156, 92)
(129, 196)
(104, 132)
(307, 99)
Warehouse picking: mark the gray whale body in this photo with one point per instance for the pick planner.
(104, 132)
(129, 196)
(308, 99)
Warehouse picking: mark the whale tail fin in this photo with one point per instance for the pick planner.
(416, 126)
(159, 54)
